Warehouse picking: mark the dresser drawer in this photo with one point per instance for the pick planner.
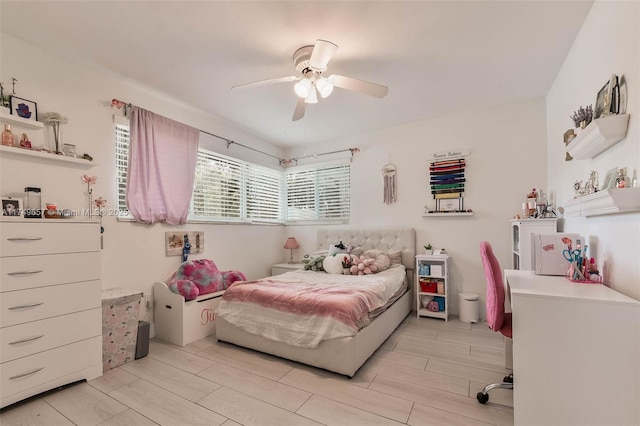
(25, 373)
(38, 336)
(23, 272)
(22, 306)
(18, 239)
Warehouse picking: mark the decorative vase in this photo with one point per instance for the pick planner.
(428, 251)
(346, 271)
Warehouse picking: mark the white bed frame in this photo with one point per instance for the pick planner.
(343, 355)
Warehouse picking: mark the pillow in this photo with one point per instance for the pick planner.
(185, 288)
(381, 259)
(356, 251)
(333, 264)
(395, 256)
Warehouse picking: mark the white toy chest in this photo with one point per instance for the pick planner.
(179, 322)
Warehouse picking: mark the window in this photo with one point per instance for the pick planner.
(230, 190)
(122, 163)
(319, 193)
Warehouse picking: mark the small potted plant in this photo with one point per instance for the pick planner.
(428, 249)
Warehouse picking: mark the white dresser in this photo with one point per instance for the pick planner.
(50, 307)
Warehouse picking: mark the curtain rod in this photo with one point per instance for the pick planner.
(282, 161)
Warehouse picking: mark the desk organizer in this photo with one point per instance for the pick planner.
(599, 281)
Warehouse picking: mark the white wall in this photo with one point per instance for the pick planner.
(608, 43)
(134, 254)
(508, 153)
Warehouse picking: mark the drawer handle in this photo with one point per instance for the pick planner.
(30, 305)
(26, 374)
(24, 239)
(25, 272)
(28, 339)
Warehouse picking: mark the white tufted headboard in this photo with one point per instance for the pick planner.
(383, 239)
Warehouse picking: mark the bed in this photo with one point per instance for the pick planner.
(343, 355)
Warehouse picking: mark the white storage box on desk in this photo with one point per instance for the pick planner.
(180, 322)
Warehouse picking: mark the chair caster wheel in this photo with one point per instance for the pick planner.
(482, 398)
(508, 379)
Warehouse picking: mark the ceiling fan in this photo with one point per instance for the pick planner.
(311, 62)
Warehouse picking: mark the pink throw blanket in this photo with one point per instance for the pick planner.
(345, 304)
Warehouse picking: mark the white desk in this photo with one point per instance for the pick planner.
(576, 352)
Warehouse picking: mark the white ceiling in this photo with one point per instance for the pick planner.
(437, 57)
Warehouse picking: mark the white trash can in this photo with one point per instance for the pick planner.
(469, 305)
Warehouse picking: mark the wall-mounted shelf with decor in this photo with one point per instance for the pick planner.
(16, 120)
(610, 201)
(452, 214)
(47, 156)
(598, 136)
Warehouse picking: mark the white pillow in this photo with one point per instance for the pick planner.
(381, 259)
(333, 264)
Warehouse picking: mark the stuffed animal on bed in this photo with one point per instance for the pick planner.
(313, 263)
(202, 276)
(362, 266)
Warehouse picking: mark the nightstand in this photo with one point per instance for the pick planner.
(281, 268)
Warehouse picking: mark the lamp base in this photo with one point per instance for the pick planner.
(291, 256)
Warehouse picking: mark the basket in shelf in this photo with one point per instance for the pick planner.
(428, 286)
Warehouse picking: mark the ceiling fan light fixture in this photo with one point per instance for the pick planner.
(302, 88)
(311, 98)
(324, 86)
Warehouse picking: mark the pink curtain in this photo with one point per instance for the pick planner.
(162, 163)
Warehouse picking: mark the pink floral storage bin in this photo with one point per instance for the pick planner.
(120, 313)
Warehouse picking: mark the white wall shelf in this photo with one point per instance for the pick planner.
(598, 136)
(610, 201)
(7, 151)
(452, 214)
(19, 121)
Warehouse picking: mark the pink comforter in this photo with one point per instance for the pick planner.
(302, 308)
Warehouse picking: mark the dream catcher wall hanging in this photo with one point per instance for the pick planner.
(390, 184)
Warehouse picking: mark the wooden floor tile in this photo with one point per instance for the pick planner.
(34, 412)
(164, 407)
(250, 411)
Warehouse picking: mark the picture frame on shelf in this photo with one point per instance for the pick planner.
(610, 179)
(11, 206)
(608, 99)
(23, 108)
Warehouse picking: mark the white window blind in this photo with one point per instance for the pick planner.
(122, 164)
(227, 189)
(319, 193)
(264, 197)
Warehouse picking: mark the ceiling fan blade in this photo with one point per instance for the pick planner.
(366, 87)
(299, 112)
(265, 82)
(322, 53)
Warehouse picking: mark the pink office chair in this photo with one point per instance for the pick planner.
(497, 319)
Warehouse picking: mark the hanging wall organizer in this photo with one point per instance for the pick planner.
(447, 184)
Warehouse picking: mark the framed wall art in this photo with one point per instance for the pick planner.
(610, 179)
(24, 108)
(11, 206)
(175, 241)
(608, 99)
